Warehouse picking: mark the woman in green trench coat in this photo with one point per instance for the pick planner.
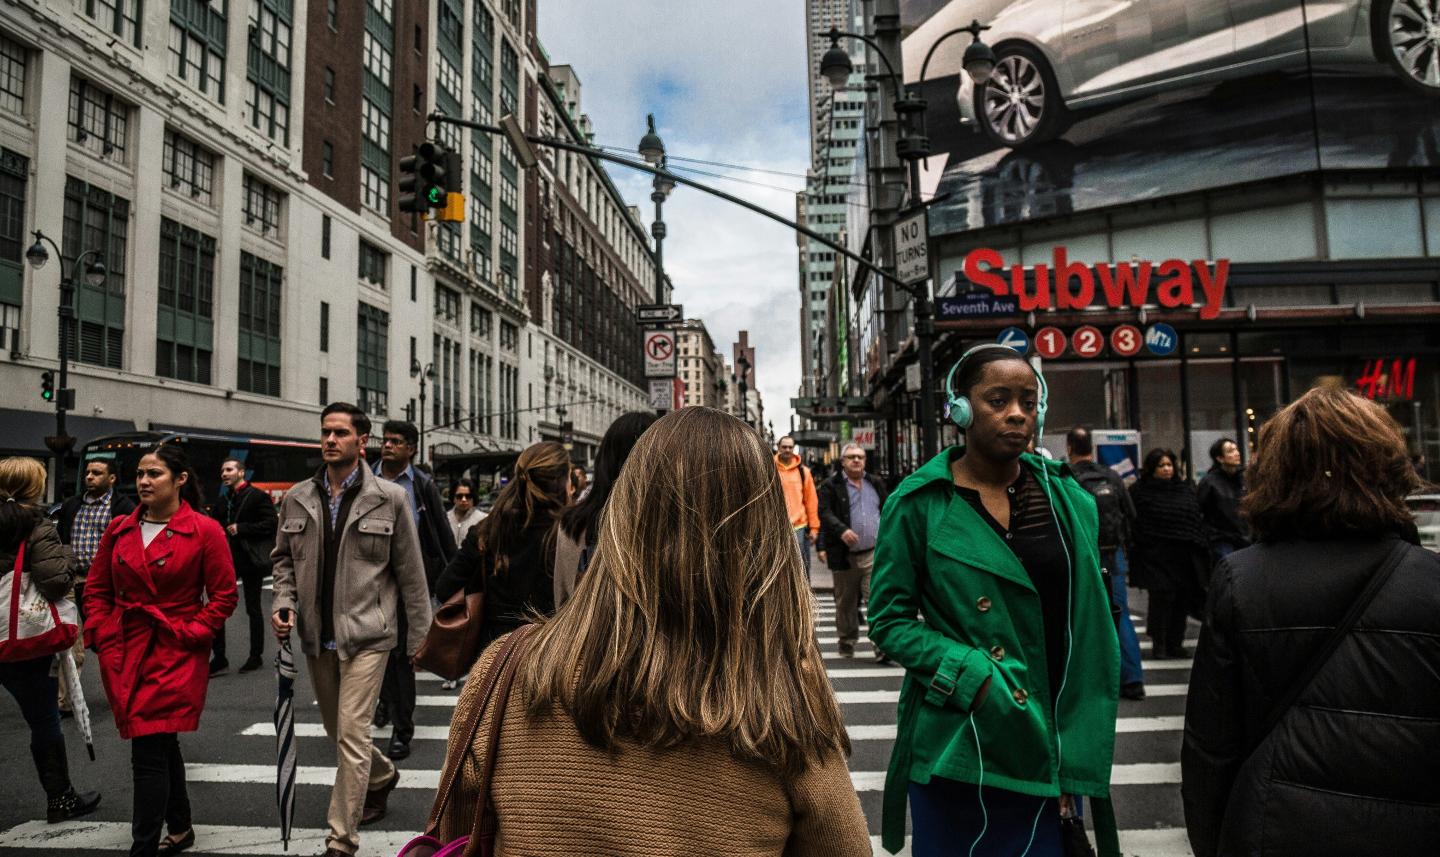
(987, 589)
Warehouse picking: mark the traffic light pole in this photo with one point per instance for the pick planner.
(591, 152)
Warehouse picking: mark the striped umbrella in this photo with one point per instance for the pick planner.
(285, 739)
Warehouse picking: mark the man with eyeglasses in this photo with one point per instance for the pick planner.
(800, 500)
(850, 503)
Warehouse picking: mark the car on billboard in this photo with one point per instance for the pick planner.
(1056, 57)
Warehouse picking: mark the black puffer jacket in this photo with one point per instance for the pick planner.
(1354, 766)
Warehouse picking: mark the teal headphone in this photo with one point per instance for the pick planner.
(961, 411)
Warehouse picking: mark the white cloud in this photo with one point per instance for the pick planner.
(726, 82)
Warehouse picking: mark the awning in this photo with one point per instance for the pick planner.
(24, 432)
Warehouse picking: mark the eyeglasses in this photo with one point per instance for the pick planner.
(394, 441)
(459, 497)
(859, 455)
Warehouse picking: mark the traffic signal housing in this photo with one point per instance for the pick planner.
(453, 210)
(47, 386)
(424, 183)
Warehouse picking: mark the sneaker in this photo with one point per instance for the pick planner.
(447, 685)
(1133, 690)
(252, 665)
(219, 667)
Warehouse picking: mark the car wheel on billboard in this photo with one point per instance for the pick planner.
(1407, 38)
(1020, 104)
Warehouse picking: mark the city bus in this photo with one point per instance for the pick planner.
(270, 465)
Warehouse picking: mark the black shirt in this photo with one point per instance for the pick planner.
(1038, 543)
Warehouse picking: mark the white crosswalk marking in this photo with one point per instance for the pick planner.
(305, 775)
(86, 835)
(316, 730)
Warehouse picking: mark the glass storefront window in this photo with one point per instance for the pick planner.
(1092, 396)
(1162, 423)
(1262, 395)
(1211, 387)
(1374, 228)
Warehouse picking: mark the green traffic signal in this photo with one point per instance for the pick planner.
(47, 386)
(435, 196)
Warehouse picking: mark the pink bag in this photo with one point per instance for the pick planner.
(496, 684)
(33, 626)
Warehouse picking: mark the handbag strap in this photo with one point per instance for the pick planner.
(487, 767)
(1285, 701)
(467, 731)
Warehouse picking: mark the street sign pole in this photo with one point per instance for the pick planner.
(913, 269)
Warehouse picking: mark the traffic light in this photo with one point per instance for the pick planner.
(425, 178)
(47, 386)
(453, 210)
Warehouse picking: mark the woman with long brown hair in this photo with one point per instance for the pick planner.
(509, 555)
(677, 703)
(1313, 720)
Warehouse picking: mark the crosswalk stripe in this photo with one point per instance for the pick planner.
(883, 732)
(305, 775)
(850, 697)
(1166, 689)
(887, 731)
(1145, 774)
(1169, 664)
(867, 672)
(86, 835)
(832, 641)
(317, 730)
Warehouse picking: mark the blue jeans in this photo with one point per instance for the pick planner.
(1130, 671)
(948, 816)
(802, 538)
(35, 690)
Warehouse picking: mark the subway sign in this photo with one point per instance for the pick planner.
(1174, 283)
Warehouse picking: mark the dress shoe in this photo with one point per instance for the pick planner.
(171, 845)
(252, 665)
(377, 801)
(398, 749)
(219, 667)
(382, 716)
(1133, 690)
(70, 805)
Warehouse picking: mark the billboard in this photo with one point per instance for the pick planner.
(1099, 102)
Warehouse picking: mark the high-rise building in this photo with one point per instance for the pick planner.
(701, 367)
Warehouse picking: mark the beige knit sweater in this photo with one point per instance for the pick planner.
(554, 794)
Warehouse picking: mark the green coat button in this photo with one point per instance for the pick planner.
(982, 604)
(998, 653)
(1020, 696)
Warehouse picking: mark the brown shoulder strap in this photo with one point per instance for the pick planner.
(467, 732)
(492, 742)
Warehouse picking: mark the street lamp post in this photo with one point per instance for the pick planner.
(652, 149)
(743, 364)
(427, 374)
(37, 256)
(913, 146)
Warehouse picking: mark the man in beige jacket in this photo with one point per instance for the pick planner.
(347, 555)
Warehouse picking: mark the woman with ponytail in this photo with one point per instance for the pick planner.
(161, 584)
(29, 542)
(510, 554)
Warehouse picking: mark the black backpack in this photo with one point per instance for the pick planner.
(1108, 503)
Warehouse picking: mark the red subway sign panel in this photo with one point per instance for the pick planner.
(1173, 284)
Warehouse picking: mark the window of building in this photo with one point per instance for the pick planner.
(258, 368)
(449, 25)
(509, 336)
(324, 326)
(480, 110)
(97, 220)
(197, 46)
(447, 304)
(185, 327)
(482, 392)
(324, 382)
(417, 98)
(120, 17)
(512, 11)
(189, 169)
(448, 78)
(509, 77)
(447, 239)
(14, 175)
(267, 102)
(375, 124)
(12, 76)
(372, 360)
(97, 118)
(378, 60)
(324, 236)
(509, 241)
(386, 9)
(373, 262)
(262, 205)
(330, 84)
(480, 321)
(413, 279)
(332, 13)
(374, 191)
(419, 40)
(327, 160)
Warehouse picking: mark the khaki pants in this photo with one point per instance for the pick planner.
(347, 692)
(852, 589)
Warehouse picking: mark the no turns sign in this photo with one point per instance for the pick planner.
(659, 348)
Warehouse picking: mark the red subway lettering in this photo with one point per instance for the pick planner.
(1064, 271)
(983, 277)
(1178, 290)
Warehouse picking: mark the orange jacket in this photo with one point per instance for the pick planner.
(800, 499)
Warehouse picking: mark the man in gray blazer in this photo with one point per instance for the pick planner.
(346, 548)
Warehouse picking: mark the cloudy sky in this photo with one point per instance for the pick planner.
(726, 82)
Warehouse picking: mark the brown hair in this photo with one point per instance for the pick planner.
(693, 619)
(537, 493)
(22, 482)
(1330, 465)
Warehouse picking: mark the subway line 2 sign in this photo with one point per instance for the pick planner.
(1175, 283)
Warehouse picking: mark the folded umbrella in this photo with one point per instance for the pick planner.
(71, 676)
(285, 736)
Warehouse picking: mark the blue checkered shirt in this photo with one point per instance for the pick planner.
(91, 520)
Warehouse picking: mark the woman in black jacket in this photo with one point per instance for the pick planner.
(1350, 766)
(510, 554)
(1171, 553)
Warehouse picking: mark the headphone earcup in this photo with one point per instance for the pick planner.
(960, 412)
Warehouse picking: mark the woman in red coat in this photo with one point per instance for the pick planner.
(151, 627)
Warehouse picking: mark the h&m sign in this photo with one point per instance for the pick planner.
(1123, 284)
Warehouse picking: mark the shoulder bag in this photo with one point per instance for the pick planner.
(33, 627)
(1302, 680)
(494, 694)
(452, 644)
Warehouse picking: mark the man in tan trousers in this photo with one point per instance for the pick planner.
(347, 557)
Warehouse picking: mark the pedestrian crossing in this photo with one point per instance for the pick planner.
(1145, 776)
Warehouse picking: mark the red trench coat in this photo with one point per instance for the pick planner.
(148, 623)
